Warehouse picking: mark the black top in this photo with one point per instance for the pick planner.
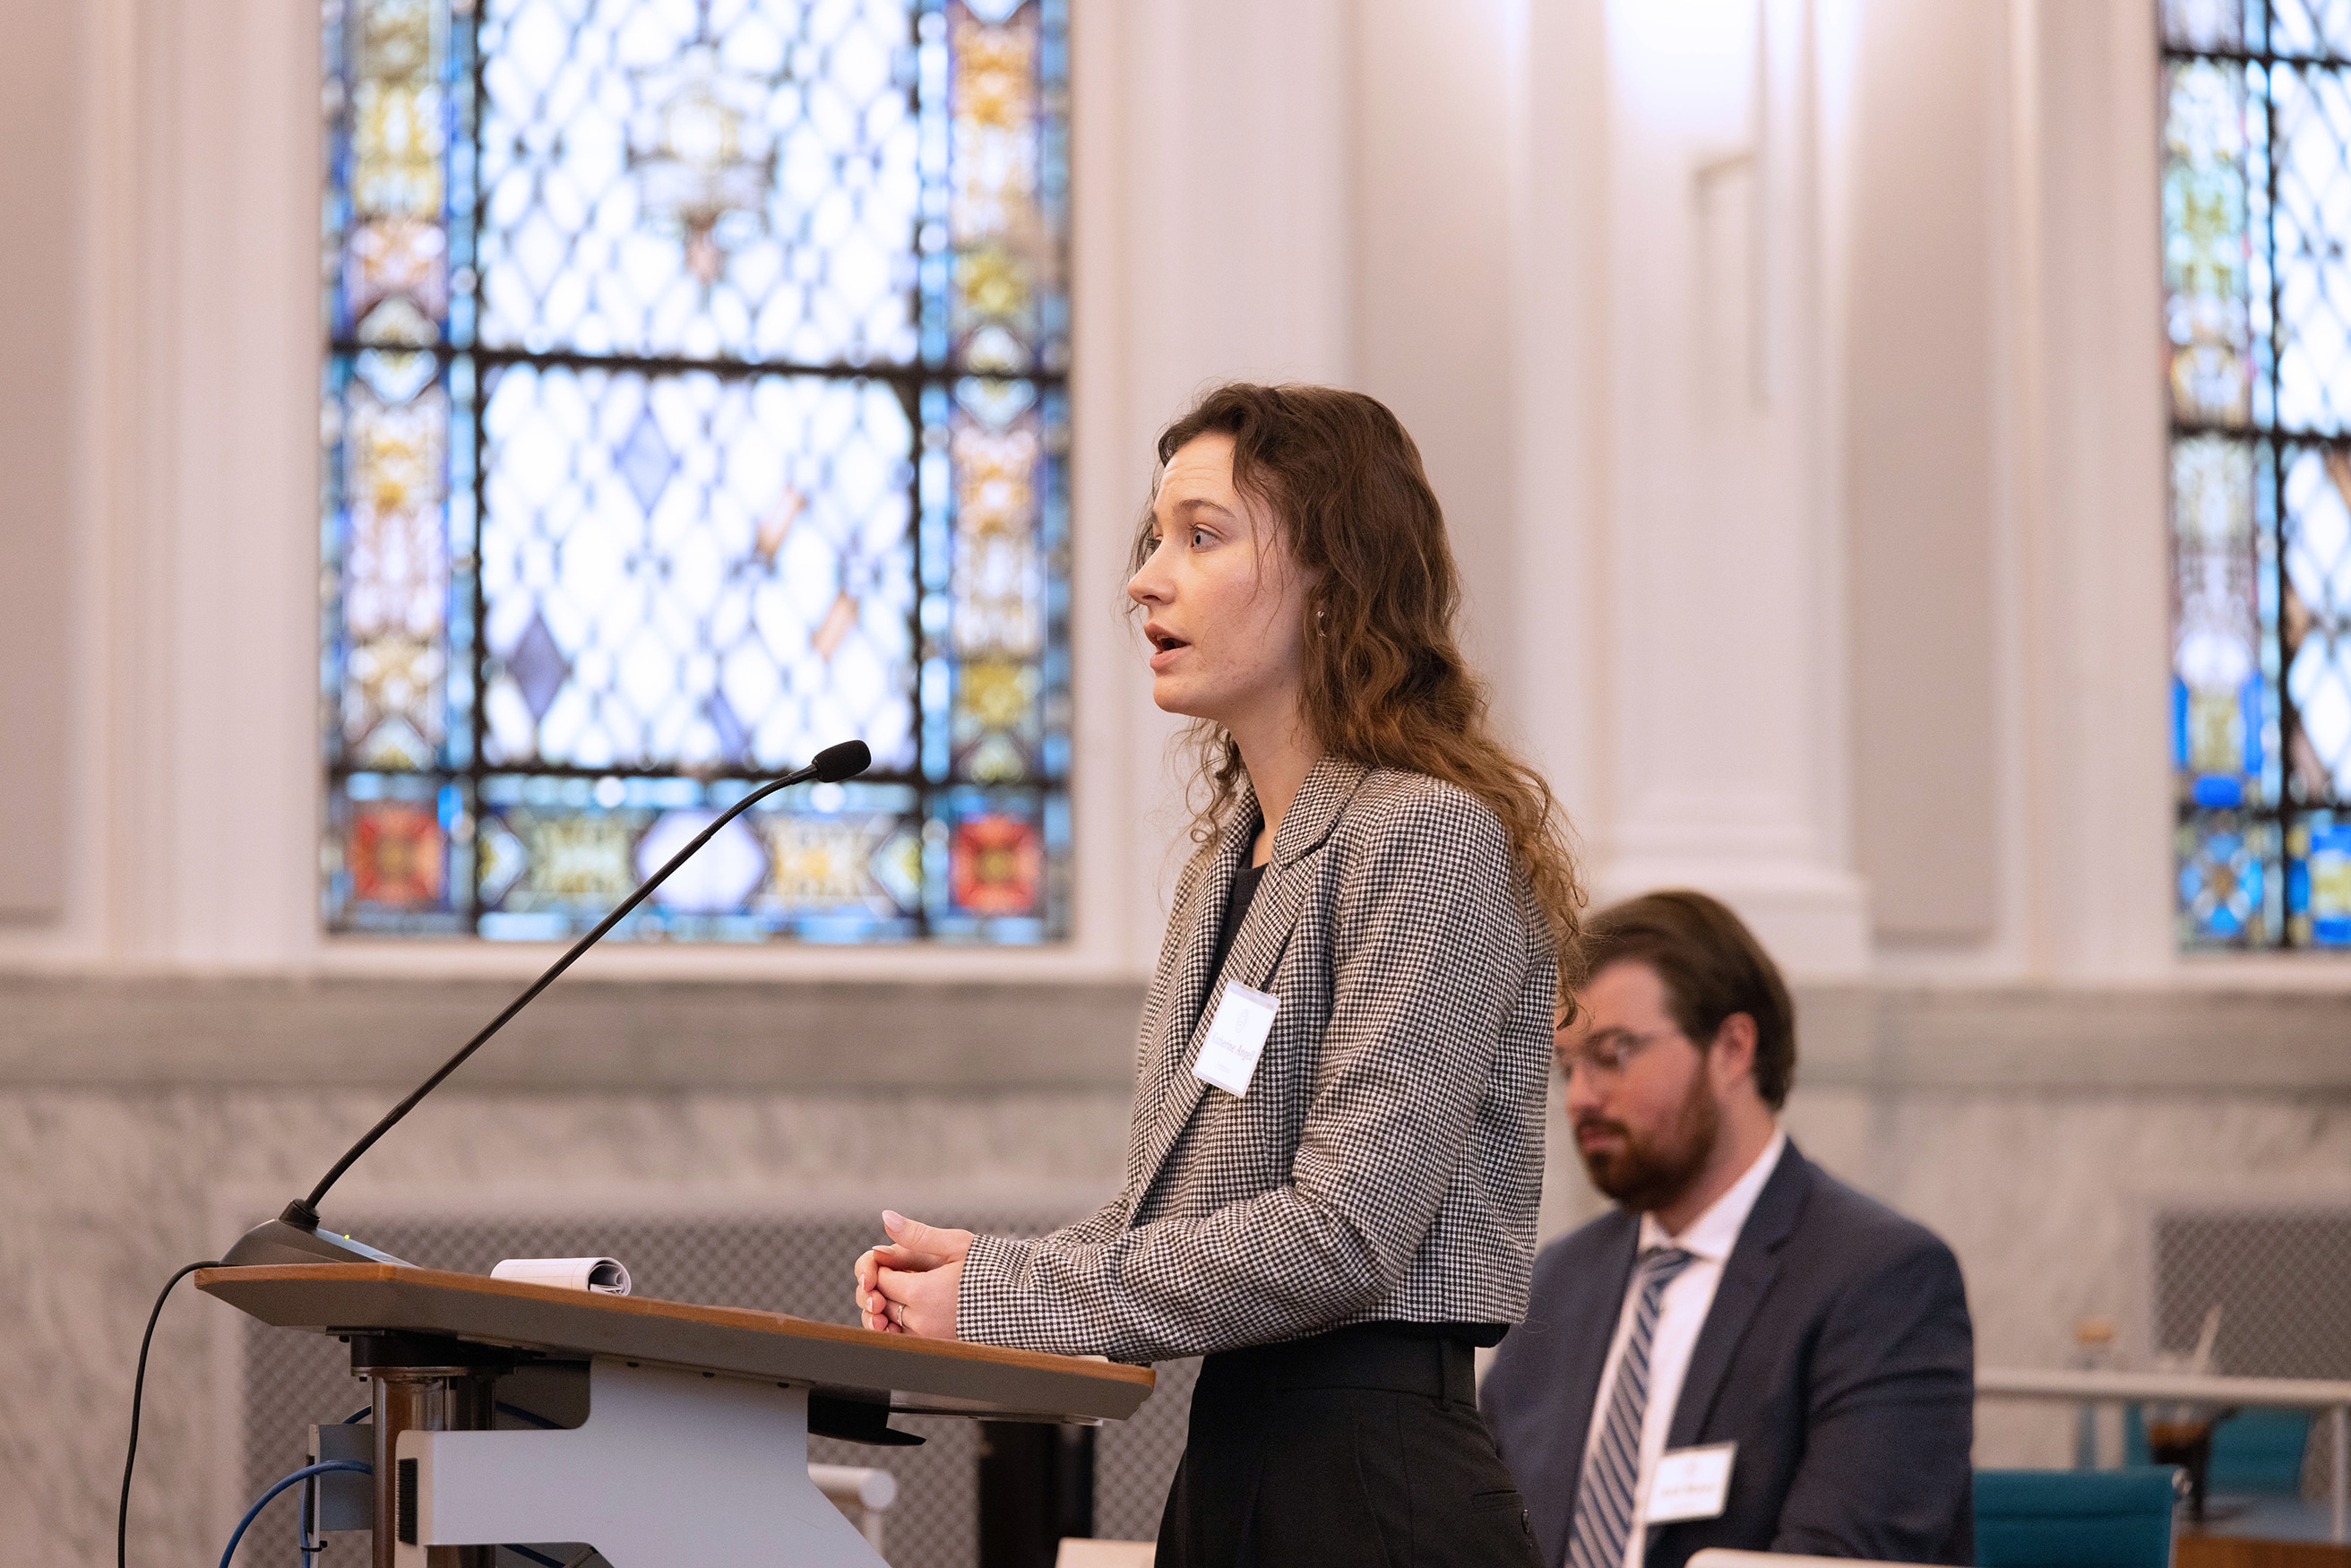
(1237, 903)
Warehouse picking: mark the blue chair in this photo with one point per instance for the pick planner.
(2253, 1451)
(2074, 1519)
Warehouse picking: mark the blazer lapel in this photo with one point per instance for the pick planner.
(1272, 916)
(1161, 1101)
(1256, 952)
(1747, 1277)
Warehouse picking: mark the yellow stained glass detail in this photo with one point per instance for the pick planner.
(822, 861)
(580, 856)
(395, 577)
(999, 591)
(1004, 254)
(2204, 243)
(2216, 630)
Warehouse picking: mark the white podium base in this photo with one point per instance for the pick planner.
(672, 1470)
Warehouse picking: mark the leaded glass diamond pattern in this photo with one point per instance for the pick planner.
(644, 460)
(537, 667)
(734, 178)
(2204, 23)
(2313, 114)
(2317, 622)
(694, 400)
(2257, 275)
(674, 601)
(2294, 29)
(2310, 28)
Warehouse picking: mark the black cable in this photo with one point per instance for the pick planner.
(137, 1394)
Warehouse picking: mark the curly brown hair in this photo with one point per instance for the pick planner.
(1386, 684)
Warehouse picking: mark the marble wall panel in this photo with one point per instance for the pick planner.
(108, 1191)
(2041, 1192)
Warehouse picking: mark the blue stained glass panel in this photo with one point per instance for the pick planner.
(2318, 879)
(2256, 198)
(694, 401)
(2230, 886)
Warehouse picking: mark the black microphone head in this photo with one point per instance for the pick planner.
(847, 761)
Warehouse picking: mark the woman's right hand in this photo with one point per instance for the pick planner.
(910, 1287)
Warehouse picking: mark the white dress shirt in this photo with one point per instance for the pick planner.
(1681, 1312)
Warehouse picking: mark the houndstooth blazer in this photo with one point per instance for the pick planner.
(1387, 1159)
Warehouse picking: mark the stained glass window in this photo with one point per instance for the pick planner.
(695, 399)
(2257, 300)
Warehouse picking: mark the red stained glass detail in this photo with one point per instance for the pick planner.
(999, 865)
(395, 855)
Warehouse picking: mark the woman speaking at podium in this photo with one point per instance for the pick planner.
(1338, 1127)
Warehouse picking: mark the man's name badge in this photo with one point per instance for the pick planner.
(1691, 1483)
(1236, 1038)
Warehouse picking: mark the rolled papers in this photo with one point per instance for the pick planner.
(605, 1276)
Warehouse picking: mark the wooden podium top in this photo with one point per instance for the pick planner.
(921, 1377)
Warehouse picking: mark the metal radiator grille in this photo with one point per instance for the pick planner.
(2280, 1274)
(787, 1264)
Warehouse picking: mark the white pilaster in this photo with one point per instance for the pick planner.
(1723, 543)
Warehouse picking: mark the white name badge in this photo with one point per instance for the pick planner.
(1236, 1038)
(1691, 1483)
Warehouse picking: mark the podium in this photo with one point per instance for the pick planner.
(693, 1446)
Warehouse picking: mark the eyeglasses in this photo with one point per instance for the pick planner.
(1608, 1051)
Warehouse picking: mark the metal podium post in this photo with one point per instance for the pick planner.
(425, 1384)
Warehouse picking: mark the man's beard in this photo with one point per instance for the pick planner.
(1648, 1173)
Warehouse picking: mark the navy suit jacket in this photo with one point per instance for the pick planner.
(1838, 1354)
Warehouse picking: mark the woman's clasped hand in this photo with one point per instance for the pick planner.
(909, 1287)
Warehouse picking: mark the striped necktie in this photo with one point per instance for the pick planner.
(1603, 1502)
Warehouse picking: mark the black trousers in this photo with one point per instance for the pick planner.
(1360, 1447)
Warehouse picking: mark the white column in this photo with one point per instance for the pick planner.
(1229, 124)
(1724, 582)
(1552, 688)
(1431, 194)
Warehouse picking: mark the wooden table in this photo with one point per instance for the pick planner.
(2197, 1548)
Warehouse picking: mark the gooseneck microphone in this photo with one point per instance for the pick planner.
(293, 1236)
